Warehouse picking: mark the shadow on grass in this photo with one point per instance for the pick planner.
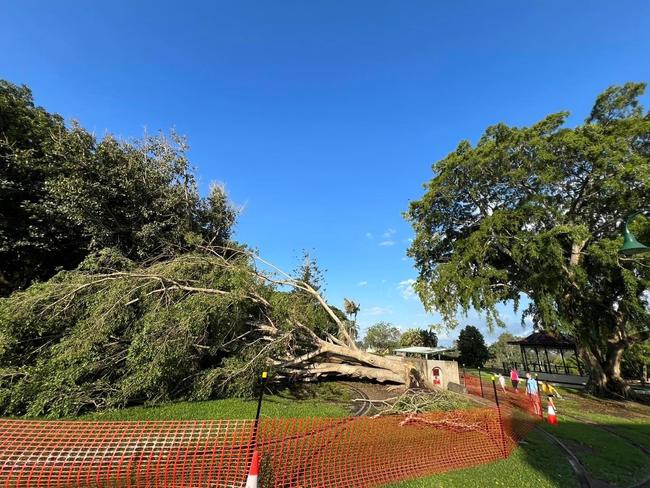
(610, 458)
(535, 463)
(612, 453)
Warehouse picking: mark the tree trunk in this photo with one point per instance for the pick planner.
(605, 370)
(330, 359)
(351, 371)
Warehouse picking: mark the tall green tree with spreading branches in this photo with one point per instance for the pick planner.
(535, 212)
(382, 337)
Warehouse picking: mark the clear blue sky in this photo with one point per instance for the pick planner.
(323, 118)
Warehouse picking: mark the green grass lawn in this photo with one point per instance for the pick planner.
(326, 400)
(609, 456)
(536, 463)
(606, 456)
(635, 430)
(610, 448)
(605, 435)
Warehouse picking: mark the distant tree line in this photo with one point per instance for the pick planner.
(384, 337)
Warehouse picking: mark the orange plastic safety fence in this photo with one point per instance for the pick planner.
(367, 452)
(312, 452)
(520, 411)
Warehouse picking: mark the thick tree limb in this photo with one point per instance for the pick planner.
(352, 371)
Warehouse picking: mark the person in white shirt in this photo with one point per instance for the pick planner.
(502, 382)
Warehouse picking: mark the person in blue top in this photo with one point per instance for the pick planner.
(533, 392)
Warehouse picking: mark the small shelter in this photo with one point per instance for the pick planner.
(543, 342)
(439, 372)
(420, 351)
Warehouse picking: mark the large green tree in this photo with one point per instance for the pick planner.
(382, 337)
(33, 239)
(501, 352)
(472, 348)
(64, 193)
(418, 337)
(535, 212)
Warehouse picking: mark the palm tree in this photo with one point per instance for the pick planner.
(351, 310)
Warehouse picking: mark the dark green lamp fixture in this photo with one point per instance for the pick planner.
(631, 245)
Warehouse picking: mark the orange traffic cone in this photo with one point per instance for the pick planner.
(552, 418)
(251, 480)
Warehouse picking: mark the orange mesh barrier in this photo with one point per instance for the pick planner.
(520, 412)
(314, 452)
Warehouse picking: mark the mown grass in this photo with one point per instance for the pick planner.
(605, 435)
(536, 463)
(606, 456)
(635, 430)
(326, 400)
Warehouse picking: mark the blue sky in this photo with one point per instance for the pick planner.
(323, 118)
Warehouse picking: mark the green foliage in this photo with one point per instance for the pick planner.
(635, 359)
(382, 337)
(472, 348)
(64, 194)
(418, 337)
(33, 240)
(113, 333)
(502, 352)
(310, 272)
(536, 211)
(351, 309)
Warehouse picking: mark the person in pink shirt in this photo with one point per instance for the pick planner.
(514, 378)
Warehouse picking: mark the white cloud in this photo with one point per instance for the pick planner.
(362, 283)
(387, 243)
(383, 281)
(369, 235)
(389, 233)
(405, 287)
(375, 311)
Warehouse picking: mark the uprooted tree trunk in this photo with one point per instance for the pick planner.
(329, 356)
(335, 357)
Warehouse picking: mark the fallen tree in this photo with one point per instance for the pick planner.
(202, 325)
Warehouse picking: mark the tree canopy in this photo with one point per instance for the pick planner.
(64, 194)
(501, 352)
(382, 337)
(535, 212)
(418, 337)
(112, 333)
(472, 348)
